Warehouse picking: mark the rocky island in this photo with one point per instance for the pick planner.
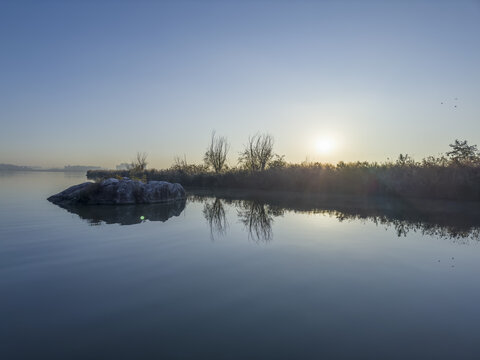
(119, 191)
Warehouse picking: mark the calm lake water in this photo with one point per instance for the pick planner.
(277, 277)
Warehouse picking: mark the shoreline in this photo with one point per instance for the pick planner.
(456, 183)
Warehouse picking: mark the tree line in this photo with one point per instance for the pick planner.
(258, 155)
(454, 175)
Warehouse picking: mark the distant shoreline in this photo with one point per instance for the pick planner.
(68, 168)
(42, 170)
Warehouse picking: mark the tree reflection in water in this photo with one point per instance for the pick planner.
(214, 213)
(457, 221)
(257, 219)
(457, 233)
(256, 216)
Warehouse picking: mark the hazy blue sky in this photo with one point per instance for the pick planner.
(93, 82)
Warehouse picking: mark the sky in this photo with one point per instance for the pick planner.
(95, 82)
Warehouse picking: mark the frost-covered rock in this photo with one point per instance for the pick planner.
(113, 191)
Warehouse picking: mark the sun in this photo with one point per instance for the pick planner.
(325, 145)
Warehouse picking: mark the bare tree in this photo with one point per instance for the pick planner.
(258, 152)
(179, 163)
(216, 154)
(405, 160)
(140, 162)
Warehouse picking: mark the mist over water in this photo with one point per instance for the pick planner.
(236, 277)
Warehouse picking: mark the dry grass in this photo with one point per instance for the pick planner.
(431, 178)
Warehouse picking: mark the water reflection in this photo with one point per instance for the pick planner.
(257, 217)
(214, 213)
(458, 221)
(126, 214)
(458, 232)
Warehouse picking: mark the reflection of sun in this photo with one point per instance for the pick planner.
(325, 145)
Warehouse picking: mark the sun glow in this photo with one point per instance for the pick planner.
(325, 145)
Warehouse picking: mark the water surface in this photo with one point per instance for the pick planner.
(236, 277)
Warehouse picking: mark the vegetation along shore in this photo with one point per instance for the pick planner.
(454, 175)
